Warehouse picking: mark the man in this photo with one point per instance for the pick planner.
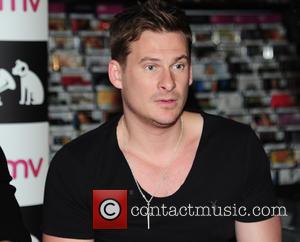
(12, 226)
(163, 156)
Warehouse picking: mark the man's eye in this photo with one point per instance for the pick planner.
(179, 66)
(150, 68)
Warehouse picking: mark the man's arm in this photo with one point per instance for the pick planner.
(264, 231)
(49, 238)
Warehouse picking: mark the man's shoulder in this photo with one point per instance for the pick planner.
(93, 137)
(88, 146)
(221, 126)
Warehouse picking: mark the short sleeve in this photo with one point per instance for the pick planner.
(258, 196)
(66, 208)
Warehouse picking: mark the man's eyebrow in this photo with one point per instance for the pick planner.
(181, 57)
(157, 60)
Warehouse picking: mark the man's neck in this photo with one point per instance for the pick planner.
(148, 139)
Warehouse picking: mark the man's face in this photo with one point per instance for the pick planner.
(156, 77)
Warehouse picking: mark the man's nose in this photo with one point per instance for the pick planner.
(167, 81)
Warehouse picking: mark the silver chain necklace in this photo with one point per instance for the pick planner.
(148, 201)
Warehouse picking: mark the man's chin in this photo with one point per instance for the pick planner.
(166, 121)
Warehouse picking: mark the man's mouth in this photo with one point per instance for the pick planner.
(167, 102)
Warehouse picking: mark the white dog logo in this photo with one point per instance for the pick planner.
(32, 91)
(6, 82)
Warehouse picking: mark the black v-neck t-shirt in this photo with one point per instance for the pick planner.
(230, 170)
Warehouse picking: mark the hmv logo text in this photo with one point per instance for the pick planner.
(25, 168)
(14, 5)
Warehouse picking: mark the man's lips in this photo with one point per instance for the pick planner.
(166, 100)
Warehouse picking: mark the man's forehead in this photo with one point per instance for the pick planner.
(149, 35)
(150, 45)
(158, 46)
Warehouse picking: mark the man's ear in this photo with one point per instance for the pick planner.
(115, 73)
(191, 75)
